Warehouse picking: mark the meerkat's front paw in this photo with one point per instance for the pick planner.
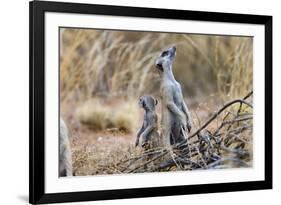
(183, 124)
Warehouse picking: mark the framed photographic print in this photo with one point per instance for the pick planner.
(140, 102)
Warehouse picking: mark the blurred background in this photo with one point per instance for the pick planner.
(121, 63)
(104, 72)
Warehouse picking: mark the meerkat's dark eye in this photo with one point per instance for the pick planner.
(165, 53)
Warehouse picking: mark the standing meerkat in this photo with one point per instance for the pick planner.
(148, 133)
(65, 161)
(176, 117)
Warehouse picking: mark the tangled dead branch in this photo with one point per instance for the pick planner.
(228, 145)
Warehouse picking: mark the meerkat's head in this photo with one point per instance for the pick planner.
(148, 102)
(166, 59)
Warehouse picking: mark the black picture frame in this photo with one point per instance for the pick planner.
(37, 192)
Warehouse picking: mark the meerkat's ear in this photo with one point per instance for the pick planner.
(155, 101)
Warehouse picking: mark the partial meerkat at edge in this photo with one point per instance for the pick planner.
(65, 158)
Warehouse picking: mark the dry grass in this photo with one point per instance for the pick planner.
(99, 115)
(103, 158)
(231, 61)
(101, 63)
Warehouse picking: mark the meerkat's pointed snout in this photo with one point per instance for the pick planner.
(173, 50)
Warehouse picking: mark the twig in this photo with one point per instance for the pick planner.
(146, 163)
(231, 122)
(217, 113)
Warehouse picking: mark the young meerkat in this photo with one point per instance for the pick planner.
(176, 117)
(148, 133)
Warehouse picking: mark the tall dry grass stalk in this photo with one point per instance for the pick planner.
(231, 61)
